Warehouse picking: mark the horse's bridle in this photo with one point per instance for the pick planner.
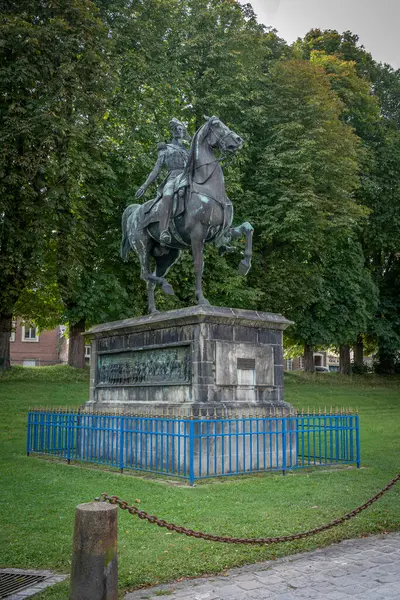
(221, 140)
(222, 158)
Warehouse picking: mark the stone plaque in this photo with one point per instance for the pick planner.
(248, 364)
(234, 359)
(141, 367)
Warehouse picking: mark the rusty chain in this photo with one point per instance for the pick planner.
(133, 510)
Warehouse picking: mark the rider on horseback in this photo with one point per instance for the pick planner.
(174, 156)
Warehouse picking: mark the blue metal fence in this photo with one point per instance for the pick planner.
(193, 448)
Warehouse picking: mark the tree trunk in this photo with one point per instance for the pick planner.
(308, 359)
(76, 349)
(5, 334)
(358, 350)
(344, 360)
(386, 361)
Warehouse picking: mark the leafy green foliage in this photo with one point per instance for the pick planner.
(58, 373)
(42, 305)
(52, 74)
(345, 300)
(88, 89)
(302, 177)
(382, 243)
(343, 45)
(370, 92)
(361, 108)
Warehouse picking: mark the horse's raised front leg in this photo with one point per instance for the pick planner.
(163, 263)
(247, 230)
(197, 241)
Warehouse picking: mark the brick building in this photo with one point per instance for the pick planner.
(325, 359)
(328, 360)
(30, 348)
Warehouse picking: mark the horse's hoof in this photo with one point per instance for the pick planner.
(243, 268)
(168, 289)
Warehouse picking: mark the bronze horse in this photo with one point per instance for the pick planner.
(205, 215)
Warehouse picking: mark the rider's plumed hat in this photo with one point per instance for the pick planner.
(175, 122)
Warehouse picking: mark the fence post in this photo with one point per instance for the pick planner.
(121, 444)
(78, 437)
(41, 432)
(297, 425)
(94, 572)
(358, 448)
(283, 445)
(68, 422)
(28, 439)
(191, 452)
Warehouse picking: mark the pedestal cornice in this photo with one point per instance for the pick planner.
(191, 315)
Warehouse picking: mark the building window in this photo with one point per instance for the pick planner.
(12, 336)
(87, 351)
(29, 362)
(289, 364)
(29, 333)
(318, 362)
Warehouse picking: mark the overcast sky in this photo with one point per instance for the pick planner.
(376, 22)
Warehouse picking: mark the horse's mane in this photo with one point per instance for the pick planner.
(197, 138)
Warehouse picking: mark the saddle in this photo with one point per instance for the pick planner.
(152, 207)
(182, 189)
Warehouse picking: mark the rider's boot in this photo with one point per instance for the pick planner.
(165, 236)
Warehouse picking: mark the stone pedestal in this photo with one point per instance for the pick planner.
(197, 359)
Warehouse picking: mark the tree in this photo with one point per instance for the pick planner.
(378, 127)
(346, 300)
(183, 59)
(361, 111)
(360, 107)
(300, 185)
(382, 237)
(381, 241)
(110, 128)
(343, 45)
(221, 54)
(52, 66)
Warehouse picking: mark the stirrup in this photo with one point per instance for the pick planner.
(165, 237)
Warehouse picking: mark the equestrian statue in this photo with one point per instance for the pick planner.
(190, 209)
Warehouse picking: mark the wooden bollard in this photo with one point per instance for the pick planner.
(94, 572)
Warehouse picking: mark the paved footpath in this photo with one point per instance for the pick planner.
(366, 569)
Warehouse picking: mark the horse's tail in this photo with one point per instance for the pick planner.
(125, 247)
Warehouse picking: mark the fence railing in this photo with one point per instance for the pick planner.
(193, 448)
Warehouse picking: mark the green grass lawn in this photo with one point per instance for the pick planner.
(39, 495)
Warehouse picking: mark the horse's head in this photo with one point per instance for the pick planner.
(220, 136)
